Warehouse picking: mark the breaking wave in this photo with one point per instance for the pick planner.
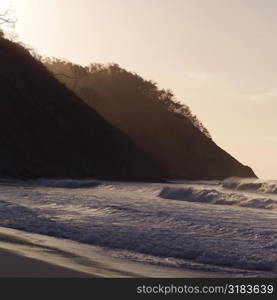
(214, 196)
(134, 217)
(251, 185)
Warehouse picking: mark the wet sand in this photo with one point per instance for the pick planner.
(13, 265)
(29, 255)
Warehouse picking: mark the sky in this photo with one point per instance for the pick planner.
(217, 56)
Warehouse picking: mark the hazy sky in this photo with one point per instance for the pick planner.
(217, 56)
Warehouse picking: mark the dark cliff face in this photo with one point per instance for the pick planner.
(170, 138)
(45, 130)
(184, 151)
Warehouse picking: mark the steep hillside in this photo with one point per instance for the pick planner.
(163, 127)
(46, 130)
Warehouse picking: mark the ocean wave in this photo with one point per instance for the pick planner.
(131, 217)
(214, 196)
(67, 183)
(251, 185)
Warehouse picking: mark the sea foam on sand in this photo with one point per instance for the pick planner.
(32, 255)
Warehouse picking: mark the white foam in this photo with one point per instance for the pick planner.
(133, 217)
(251, 184)
(215, 196)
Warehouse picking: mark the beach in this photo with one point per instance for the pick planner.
(18, 266)
(119, 229)
(27, 255)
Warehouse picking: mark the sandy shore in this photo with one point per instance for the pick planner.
(14, 265)
(25, 254)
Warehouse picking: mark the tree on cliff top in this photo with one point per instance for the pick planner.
(6, 19)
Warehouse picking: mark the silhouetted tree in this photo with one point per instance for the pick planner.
(6, 18)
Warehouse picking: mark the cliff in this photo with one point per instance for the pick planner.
(47, 131)
(161, 126)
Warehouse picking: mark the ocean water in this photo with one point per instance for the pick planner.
(228, 226)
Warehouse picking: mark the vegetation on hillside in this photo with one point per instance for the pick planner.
(47, 131)
(100, 81)
(115, 124)
(163, 127)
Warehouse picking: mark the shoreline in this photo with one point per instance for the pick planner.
(24, 254)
